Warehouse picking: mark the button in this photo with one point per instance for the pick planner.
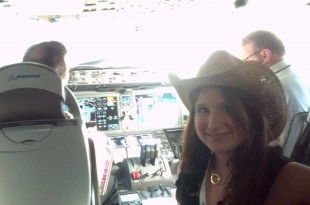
(135, 175)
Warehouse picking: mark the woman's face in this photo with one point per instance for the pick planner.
(214, 124)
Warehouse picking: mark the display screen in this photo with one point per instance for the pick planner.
(101, 112)
(157, 110)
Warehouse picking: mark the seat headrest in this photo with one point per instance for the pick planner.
(30, 75)
(30, 91)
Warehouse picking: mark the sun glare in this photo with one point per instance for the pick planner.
(175, 40)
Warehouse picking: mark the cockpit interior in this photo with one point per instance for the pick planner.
(128, 119)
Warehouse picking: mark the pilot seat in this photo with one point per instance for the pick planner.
(44, 157)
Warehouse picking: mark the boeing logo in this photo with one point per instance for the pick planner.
(16, 77)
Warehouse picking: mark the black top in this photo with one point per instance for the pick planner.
(188, 185)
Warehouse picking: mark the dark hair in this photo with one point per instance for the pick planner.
(265, 39)
(50, 53)
(248, 162)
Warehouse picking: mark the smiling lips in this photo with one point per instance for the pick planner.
(217, 135)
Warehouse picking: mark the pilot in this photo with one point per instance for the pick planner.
(50, 53)
(53, 54)
(265, 47)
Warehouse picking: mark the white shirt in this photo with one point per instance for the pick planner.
(202, 195)
(202, 192)
(296, 95)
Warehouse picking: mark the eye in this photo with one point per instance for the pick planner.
(226, 108)
(202, 110)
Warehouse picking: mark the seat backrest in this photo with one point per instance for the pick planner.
(44, 158)
(301, 152)
(295, 131)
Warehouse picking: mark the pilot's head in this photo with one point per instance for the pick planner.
(50, 53)
(262, 46)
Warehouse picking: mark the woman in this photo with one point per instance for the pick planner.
(236, 108)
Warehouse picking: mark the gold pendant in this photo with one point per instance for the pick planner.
(215, 178)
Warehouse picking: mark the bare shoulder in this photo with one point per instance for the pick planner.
(292, 186)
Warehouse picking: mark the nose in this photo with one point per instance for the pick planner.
(215, 121)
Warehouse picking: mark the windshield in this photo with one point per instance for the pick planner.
(174, 36)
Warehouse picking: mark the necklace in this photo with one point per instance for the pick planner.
(216, 179)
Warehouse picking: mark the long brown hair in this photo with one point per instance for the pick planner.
(248, 162)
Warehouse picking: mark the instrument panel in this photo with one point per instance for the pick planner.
(83, 78)
(133, 110)
(142, 118)
(129, 115)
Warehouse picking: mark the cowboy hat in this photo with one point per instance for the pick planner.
(223, 69)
